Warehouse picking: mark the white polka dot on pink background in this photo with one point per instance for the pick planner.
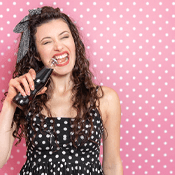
(131, 46)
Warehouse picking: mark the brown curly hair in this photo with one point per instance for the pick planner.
(85, 97)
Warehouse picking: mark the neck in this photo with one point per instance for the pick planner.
(61, 84)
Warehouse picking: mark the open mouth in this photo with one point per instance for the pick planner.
(62, 59)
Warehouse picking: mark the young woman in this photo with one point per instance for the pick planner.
(63, 125)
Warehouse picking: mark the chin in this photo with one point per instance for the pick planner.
(61, 73)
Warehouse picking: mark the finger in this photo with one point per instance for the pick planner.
(30, 81)
(25, 84)
(33, 73)
(42, 91)
(16, 85)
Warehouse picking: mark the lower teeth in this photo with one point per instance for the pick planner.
(64, 61)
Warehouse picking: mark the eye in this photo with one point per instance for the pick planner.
(46, 42)
(65, 37)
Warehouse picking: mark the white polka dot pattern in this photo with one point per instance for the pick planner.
(45, 157)
(131, 48)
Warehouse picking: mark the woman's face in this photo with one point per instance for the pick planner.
(54, 40)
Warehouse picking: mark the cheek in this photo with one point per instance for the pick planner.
(72, 45)
(73, 48)
(43, 51)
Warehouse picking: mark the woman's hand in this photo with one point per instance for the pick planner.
(23, 84)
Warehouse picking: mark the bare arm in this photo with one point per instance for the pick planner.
(112, 164)
(6, 138)
(8, 110)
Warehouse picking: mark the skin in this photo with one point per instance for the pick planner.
(52, 38)
(54, 34)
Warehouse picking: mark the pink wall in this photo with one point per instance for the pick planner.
(131, 44)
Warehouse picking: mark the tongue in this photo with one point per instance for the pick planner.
(62, 60)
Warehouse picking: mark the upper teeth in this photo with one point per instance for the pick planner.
(61, 56)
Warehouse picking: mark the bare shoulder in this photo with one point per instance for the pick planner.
(110, 96)
(109, 93)
(109, 103)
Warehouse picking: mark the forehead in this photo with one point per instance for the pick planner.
(55, 26)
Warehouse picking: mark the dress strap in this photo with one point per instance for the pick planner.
(97, 87)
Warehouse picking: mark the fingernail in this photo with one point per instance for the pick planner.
(32, 87)
(24, 94)
(28, 92)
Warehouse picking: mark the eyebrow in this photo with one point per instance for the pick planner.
(58, 35)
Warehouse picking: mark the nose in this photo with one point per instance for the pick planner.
(58, 46)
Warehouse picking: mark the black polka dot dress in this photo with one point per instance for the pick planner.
(44, 157)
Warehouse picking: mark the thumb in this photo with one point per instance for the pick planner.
(42, 91)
